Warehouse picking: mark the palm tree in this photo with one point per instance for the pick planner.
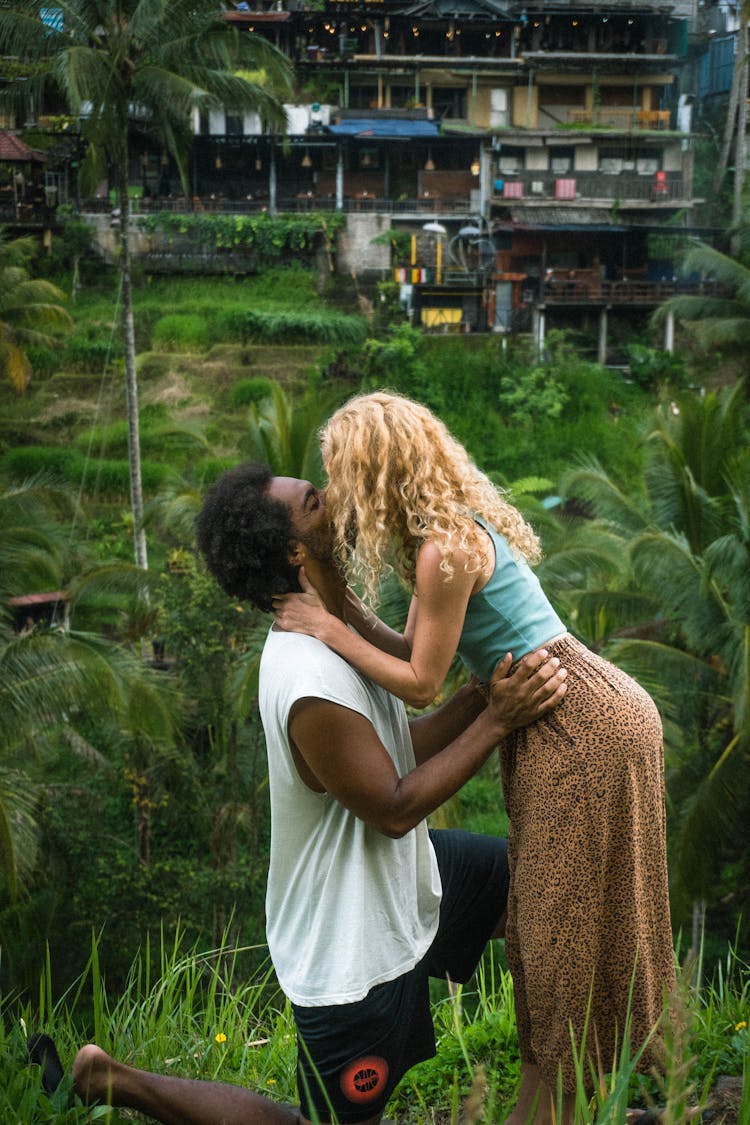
(29, 310)
(720, 320)
(48, 677)
(284, 433)
(673, 595)
(115, 61)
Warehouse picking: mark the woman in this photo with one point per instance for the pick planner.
(588, 911)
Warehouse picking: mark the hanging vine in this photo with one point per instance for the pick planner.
(268, 238)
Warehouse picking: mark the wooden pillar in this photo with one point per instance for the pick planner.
(669, 333)
(272, 180)
(540, 328)
(602, 354)
(340, 178)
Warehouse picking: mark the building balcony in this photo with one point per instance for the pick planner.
(417, 207)
(625, 119)
(679, 9)
(584, 288)
(503, 62)
(649, 189)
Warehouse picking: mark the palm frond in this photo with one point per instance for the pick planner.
(664, 564)
(713, 813)
(244, 686)
(612, 503)
(18, 835)
(669, 673)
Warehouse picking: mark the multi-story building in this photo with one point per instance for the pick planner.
(532, 150)
(558, 137)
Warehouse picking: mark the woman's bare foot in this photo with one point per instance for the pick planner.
(536, 1105)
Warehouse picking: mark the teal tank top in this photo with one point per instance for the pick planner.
(510, 614)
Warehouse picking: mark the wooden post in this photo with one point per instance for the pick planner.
(602, 355)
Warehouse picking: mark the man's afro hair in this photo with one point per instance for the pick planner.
(244, 536)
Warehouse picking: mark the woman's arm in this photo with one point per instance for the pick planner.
(371, 627)
(435, 622)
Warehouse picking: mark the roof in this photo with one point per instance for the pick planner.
(39, 599)
(569, 228)
(606, 228)
(14, 150)
(392, 127)
(458, 9)
(246, 17)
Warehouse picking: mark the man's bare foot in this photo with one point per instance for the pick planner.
(92, 1074)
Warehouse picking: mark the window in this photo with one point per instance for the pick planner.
(498, 108)
(510, 161)
(561, 161)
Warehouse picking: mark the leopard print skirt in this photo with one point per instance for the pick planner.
(588, 937)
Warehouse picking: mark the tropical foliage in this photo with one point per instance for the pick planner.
(661, 579)
(270, 238)
(284, 433)
(718, 319)
(31, 313)
(108, 58)
(202, 1015)
(49, 675)
(132, 775)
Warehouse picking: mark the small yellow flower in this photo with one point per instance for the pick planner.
(271, 1081)
(739, 1026)
(221, 1037)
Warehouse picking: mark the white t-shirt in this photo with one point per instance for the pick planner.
(347, 907)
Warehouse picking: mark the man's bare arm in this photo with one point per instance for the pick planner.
(341, 750)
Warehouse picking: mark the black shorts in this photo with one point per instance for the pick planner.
(351, 1057)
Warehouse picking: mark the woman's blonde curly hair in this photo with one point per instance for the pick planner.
(396, 478)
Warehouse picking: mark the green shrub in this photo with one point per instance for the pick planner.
(292, 286)
(114, 476)
(112, 438)
(651, 367)
(71, 466)
(45, 461)
(82, 354)
(248, 391)
(291, 327)
(207, 471)
(44, 361)
(180, 332)
(159, 437)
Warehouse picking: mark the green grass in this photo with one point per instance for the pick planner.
(198, 1018)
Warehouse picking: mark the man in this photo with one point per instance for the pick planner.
(363, 904)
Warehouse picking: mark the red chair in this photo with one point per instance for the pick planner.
(660, 187)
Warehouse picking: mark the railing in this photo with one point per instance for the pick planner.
(30, 214)
(643, 187)
(303, 202)
(623, 291)
(620, 118)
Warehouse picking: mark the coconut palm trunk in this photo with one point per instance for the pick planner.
(740, 144)
(131, 379)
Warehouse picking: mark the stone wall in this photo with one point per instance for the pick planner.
(355, 252)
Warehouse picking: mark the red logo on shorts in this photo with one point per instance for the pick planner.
(363, 1080)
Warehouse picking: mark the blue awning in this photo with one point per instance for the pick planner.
(391, 127)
